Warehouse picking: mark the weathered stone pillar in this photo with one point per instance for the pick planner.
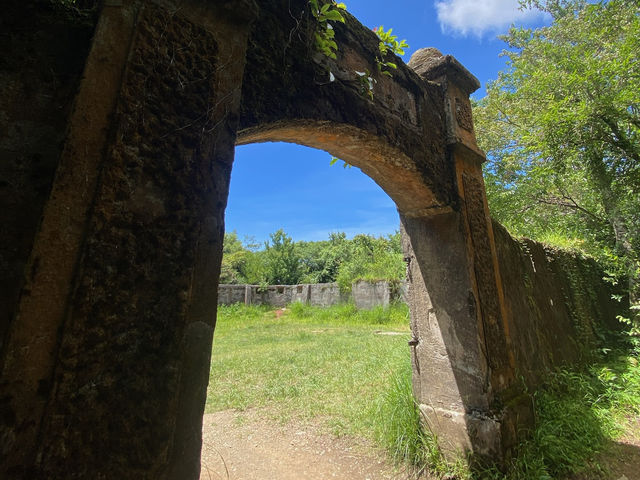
(106, 364)
(463, 363)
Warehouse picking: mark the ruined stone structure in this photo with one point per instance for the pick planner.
(319, 294)
(364, 294)
(108, 266)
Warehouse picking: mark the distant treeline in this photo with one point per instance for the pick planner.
(281, 261)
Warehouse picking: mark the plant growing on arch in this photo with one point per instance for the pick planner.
(388, 44)
(325, 13)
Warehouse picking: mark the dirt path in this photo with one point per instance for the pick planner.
(244, 446)
(247, 446)
(622, 459)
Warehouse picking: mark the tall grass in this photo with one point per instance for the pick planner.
(400, 431)
(579, 414)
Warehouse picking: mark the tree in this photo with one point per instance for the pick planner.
(321, 260)
(240, 262)
(561, 128)
(281, 260)
(372, 259)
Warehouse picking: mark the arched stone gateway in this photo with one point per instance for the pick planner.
(105, 364)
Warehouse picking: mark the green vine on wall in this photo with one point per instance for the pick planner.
(324, 37)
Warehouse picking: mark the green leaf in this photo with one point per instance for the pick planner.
(334, 15)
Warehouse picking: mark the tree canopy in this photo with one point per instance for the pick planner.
(338, 259)
(561, 128)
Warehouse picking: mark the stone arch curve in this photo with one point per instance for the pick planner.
(387, 166)
(105, 366)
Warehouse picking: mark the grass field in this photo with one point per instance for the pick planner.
(350, 371)
(334, 363)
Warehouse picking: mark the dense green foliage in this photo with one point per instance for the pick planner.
(338, 259)
(282, 264)
(561, 127)
(578, 416)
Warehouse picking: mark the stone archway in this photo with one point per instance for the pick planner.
(105, 368)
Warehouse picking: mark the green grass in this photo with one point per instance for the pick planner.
(325, 363)
(400, 432)
(579, 414)
(332, 365)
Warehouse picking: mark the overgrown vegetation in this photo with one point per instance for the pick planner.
(324, 13)
(561, 127)
(401, 432)
(342, 260)
(578, 415)
(388, 44)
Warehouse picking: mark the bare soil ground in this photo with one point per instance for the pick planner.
(250, 445)
(247, 446)
(622, 459)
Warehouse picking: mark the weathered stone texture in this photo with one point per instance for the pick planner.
(105, 365)
(495, 340)
(287, 96)
(130, 304)
(559, 307)
(128, 373)
(451, 374)
(43, 53)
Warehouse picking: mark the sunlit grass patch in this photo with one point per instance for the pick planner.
(327, 363)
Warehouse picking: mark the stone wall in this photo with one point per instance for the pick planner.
(111, 243)
(366, 295)
(558, 305)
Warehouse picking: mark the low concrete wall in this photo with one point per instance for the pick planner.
(326, 294)
(230, 294)
(366, 295)
(558, 305)
(320, 294)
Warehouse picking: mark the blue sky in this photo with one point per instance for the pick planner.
(279, 185)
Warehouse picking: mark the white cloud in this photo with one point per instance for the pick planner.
(477, 17)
